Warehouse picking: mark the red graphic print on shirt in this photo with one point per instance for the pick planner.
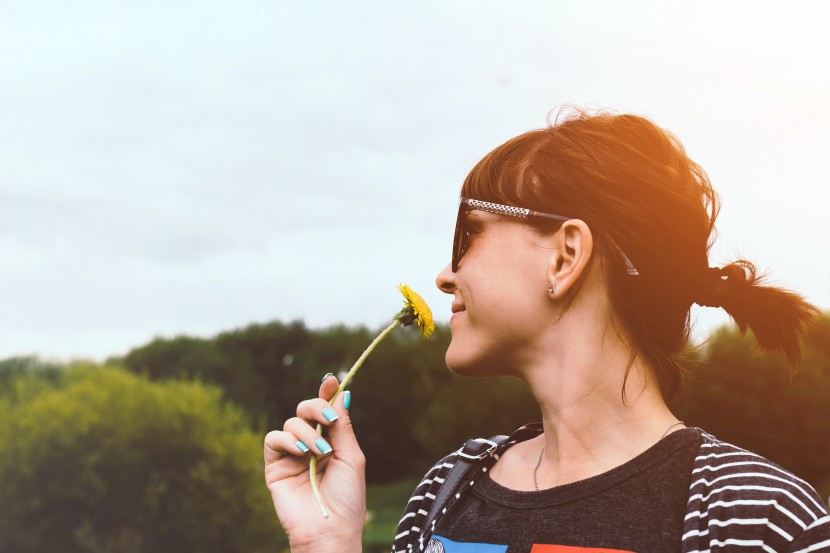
(573, 549)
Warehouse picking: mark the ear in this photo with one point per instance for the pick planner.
(573, 248)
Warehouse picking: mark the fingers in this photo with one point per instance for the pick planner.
(278, 444)
(285, 458)
(341, 433)
(317, 410)
(328, 387)
(299, 435)
(341, 437)
(308, 435)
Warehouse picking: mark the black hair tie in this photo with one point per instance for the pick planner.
(711, 289)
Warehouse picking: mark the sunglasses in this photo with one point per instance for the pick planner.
(461, 241)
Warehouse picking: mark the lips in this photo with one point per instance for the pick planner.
(457, 307)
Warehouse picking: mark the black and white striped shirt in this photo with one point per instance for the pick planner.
(738, 501)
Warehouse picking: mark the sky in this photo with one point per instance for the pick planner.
(192, 167)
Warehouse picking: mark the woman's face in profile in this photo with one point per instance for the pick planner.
(500, 302)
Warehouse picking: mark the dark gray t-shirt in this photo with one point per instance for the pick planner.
(638, 506)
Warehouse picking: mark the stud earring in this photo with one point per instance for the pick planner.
(551, 288)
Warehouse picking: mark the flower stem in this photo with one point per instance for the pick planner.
(362, 358)
(312, 468)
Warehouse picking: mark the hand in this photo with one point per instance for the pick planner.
(340, 472)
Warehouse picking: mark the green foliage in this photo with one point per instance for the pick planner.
(103, 460)
(746, 397)
(264, 368)
(14, 367)
(408, 410)
(100, 460)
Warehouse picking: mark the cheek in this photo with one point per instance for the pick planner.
(491, 342)
(505, 290)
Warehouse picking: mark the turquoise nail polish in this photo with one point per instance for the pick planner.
(347, 399)
(325, 377)
(301, 446)
(329, 414)
(323, 446)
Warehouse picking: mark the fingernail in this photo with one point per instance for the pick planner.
(301, 446)
(347, 399)
(329, 414)
(325, 377)
(323, 446)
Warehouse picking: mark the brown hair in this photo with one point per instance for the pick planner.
(635, 187)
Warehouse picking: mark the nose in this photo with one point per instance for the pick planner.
(445, 281)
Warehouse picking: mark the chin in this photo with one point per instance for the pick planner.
(471, 363)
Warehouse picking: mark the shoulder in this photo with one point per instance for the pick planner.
(417, 508)
(739, 497)
(412, 525)
(722, 470)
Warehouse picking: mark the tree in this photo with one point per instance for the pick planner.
(745, 396)
(107, 461)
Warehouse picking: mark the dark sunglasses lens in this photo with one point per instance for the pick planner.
(458, 245)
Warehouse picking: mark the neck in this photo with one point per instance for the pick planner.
(590, 426)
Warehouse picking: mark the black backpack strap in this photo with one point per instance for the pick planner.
(471, 457)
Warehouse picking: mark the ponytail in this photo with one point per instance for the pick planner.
(777, 317)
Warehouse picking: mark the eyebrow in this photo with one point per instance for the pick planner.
(480, 215)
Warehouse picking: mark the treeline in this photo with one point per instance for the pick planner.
(409, 410)
(745, 397)
(161, 449)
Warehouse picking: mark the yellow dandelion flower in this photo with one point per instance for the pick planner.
(415, 310)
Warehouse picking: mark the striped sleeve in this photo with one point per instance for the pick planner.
(417, 508)
(411, 534)
(741, 501)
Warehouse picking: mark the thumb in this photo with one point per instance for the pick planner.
(341, 434)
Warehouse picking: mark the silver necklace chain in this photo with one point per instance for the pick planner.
(539, 462)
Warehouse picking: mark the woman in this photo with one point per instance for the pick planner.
(579, 250)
